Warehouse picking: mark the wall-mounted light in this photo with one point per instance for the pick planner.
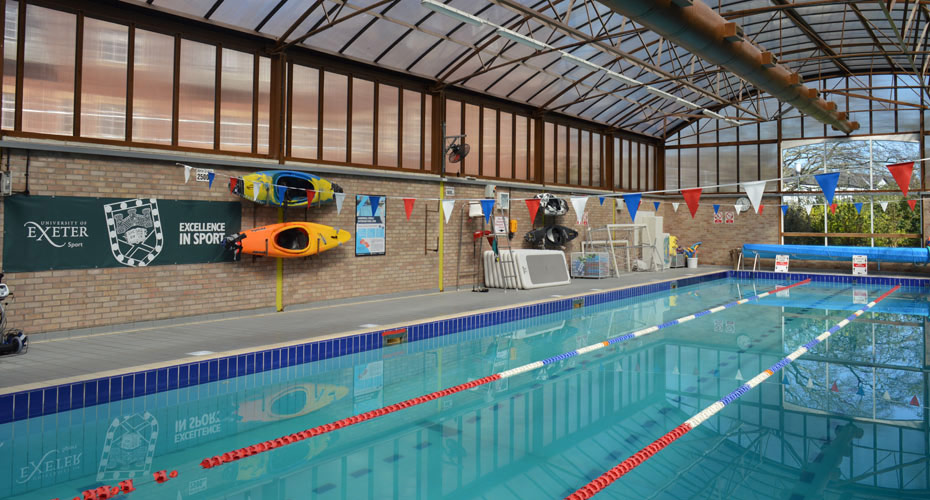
(522, 39)
(452, 12)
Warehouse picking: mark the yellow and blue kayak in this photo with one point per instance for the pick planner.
(276, 186)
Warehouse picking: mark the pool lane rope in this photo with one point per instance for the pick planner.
(595, 486)
(248, 451)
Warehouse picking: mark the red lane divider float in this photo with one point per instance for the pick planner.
(271, 444)
(108, 492)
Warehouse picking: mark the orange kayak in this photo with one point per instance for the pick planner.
(287, 240)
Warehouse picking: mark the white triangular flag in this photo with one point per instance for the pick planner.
(809, 208)
(675, 371)
(736, 207)
(884, 205)
(339, 197)
(754, 191)
(739, 375)
(187, 173)
(447, 207)
(675, 206)
(887, 397)
(578, 202)
(810, 383)
(255, 189)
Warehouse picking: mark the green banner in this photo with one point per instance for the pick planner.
(61, 232)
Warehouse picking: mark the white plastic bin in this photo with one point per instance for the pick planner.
(692, 262)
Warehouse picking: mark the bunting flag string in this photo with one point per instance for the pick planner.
(827, 184)
(187, 173)
(858, 207)
(375, 202)
(602, 198)
(408, 206)
(656, 204)
(339, 197)
(902, 173)
(808, 208)
(912, 204)
(256, 188)
(716, 209)
(833, 208)
(632, 204)
(784, 209)
(884, 205)
(754, 191)
(692, 198)
(578, 203)
(447, 207)
(232, 184)
(487, 208)
(210, 177)
(532, 204)
(760, 209)
(675, 206)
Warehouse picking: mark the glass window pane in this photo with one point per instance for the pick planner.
(574, 169)
(688, 168)
(388, 98)
(708, 167)
(264, 102)
(9, 64)
(531, 172)
(236, 101)
(453, 127)
(520, 149)
(305, 102)
(103, 80)
(597, 178)
(768, 159)
(671, 169)
(335, 119)
(728, 169)
(548, 152)
(428, 133)
(489, 143)
(152, 87)
(748, 163)
(411, 136)
(196, 103)
(48, 71)
(651, 168)
(634, 166)
(625, 169)
(561, 165)
(618, 153)
(643, 162)
(506, 146)
(472, 119)
(585, 163)
(363, 121)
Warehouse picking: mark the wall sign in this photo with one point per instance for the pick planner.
(728, 218)
(781, 263)
(500, 224)
(860, 265)
(369, 225)
(202, 174)
(63, 232)
(718, 218)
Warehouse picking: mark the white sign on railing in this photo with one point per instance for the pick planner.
(860, 265)
(781, 263)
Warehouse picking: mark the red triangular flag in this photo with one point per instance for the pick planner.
(408, 206)
(692, 198)
(310, 195)
(902, 174)
(232, 184)
(833, 208)
(915, 401)
(835, 388)
(532, 205)
(912, 203)
(491, 241)
(761, 206)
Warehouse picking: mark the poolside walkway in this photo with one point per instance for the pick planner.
(84, 354)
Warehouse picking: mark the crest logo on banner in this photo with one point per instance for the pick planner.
(128, 448)
(134, 228)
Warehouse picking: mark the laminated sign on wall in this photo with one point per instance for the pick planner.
(65, 232)
(781, 263)
(860, 265)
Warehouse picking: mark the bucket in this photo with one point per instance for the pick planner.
(692, 262)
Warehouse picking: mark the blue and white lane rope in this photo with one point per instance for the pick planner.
(217, 460)
(595, 486)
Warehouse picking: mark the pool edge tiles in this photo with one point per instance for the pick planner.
(833, 278)
(23, 402)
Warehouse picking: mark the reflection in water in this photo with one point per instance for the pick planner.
(546, 432)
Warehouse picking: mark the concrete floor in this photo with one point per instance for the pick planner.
(76, 355)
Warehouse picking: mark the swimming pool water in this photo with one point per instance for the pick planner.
(841, 421)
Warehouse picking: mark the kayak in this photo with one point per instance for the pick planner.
(274, 186)
(287, 240)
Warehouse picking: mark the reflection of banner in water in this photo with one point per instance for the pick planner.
(129, 448)
(291, 402)
(281, 461)
(367, 387)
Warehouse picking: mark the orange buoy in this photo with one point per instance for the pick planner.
(287, 240)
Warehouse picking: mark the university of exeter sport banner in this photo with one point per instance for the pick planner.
(62, 232)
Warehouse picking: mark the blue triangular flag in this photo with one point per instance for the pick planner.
(210, 177)
(716, 209)
(859, 208)
(602, 199)
(280, 192)
(632, 204)
(828, 184)
(487, 207)
(784, 209)
(375, 201)
(656, 204)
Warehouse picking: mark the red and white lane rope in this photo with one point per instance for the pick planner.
(248, 451)
(595, 486)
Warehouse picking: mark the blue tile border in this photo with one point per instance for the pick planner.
(833, 278)
(420, 337)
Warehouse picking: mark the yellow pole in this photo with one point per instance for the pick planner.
(442, 191)
(615, 211)
(279, 275)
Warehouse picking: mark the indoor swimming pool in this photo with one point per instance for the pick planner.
(846, 420)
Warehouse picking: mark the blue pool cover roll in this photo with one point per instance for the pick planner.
(815, 252)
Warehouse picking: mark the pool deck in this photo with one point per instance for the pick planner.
(69, 356)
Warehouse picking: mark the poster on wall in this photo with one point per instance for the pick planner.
(42, 233)
(369, 225)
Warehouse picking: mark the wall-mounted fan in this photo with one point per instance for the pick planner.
(458, 152)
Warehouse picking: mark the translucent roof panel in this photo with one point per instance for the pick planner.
(812, 38)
